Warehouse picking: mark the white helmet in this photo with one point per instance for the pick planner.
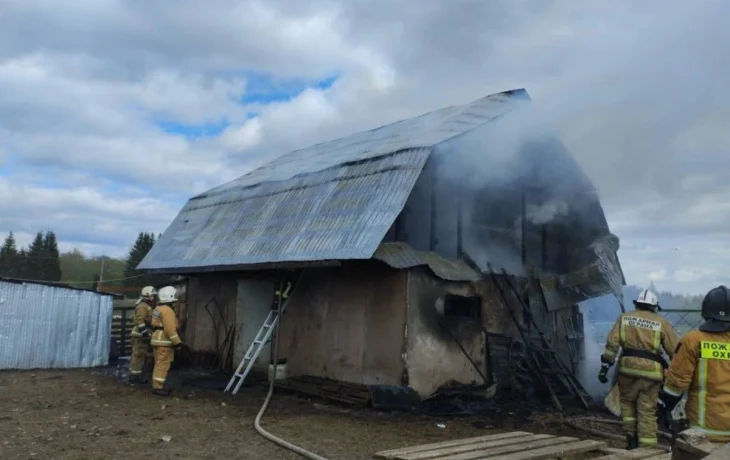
(167, 294)
(648, 298)
(148, 291)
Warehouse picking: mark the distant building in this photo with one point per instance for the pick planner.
(385, 224)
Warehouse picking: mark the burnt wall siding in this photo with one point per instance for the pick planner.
(415, 219)
(433, 358)
(211, 309)
(430, 219)
(347, 324)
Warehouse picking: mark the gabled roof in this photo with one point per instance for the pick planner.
(330, 201)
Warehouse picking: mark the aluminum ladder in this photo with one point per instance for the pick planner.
(254, 350)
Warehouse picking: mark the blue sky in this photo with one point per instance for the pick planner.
(261, 90)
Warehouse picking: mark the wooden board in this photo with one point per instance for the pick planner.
(560, 450)
(516, 445)
(636, 454)
(480, 449)
(347, 393)
(499, 452)
(395, 453)
(722, 453)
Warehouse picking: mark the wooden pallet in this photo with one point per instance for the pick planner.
(516, 445)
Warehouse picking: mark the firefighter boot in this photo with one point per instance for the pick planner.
(161, 392)
(632, 442)
(137, 379)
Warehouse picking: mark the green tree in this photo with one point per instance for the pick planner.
(52, 260)
(139, 249)
(80, 271)
(23, 269)
(10, 262)
(36, 258)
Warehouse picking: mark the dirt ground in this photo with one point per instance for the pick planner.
(82, 414)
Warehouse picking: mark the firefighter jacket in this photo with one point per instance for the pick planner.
(142, 318)
(643, 333)
(701, 367)
(164, 325)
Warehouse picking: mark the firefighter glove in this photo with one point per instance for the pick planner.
(179, 346)
(670, 401)
(145, 332)
(603, 374)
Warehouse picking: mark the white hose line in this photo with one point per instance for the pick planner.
(256, 423)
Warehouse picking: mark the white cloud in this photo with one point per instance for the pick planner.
(634, 88)
(82, 216)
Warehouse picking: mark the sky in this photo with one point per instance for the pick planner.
(113, 113)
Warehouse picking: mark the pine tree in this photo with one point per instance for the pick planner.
(139, 250)
(23, 271)
(36, 259)
(52, 261)
(9, 259)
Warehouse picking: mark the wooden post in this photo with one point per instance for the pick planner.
(123, 333)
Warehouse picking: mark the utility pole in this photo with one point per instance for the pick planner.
(101, 276)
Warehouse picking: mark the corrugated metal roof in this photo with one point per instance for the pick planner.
(330, 201)
(402, 256)
(55, 283)
(44, 327)
(338, 213)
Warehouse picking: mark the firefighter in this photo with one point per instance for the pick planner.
(165, 339)
(701, 368)
(641, 334)
(141, 334)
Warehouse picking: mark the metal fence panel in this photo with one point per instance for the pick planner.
(50, 327)
(683, 320)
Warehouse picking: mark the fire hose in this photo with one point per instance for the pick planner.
(257, 422)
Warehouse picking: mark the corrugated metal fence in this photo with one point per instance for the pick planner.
(44, 326)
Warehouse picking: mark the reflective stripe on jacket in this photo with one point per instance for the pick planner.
(645, 331)
(701, 367)
(142, 318)
(165, 324)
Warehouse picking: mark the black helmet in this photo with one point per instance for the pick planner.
(716, 310)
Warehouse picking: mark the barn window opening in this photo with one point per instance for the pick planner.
(456, 306)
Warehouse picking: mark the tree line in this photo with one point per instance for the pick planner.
(42, 261)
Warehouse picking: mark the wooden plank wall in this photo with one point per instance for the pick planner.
(122, 324)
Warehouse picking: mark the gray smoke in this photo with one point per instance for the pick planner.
(546, 212)
(595, 333)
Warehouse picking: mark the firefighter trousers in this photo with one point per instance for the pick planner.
(140, 353)
(638, 408)
(164, 356)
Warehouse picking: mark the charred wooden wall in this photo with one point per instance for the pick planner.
(211, 312)
(347, 324)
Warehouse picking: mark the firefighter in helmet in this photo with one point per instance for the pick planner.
(641, 334)
(165, 339)
(141, 334)
(701, 368)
